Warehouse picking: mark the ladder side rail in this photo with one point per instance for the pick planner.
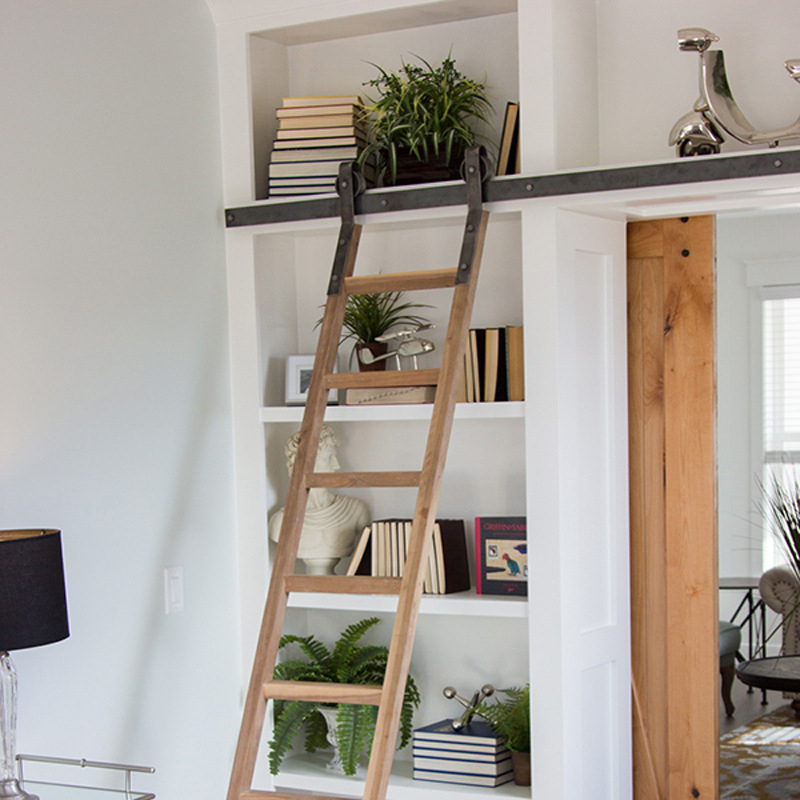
(405, 622)
(294, 512)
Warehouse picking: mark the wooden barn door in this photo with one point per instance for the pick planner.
(672, 410)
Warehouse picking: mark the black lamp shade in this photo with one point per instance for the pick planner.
(33, 601)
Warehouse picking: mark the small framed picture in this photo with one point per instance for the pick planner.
(298, 380)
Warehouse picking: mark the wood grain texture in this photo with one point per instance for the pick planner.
(672, 445)
(316, 692)
(646, 239)
(355, 480)
(645, 411)
(690, 507)
(382, 380)
(342, 584)
(283, 794)
(401, 281)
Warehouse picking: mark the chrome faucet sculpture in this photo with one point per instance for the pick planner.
(700, 132)
(410, 346)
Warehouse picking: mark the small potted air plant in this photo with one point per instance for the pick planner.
(367, 317)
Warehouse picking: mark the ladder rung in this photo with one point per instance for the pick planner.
(401, 281)
(355, 480)
(342, 584)
(382, 380)
(318, 692)
(258, 794)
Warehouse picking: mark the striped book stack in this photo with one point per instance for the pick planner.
(472, 756)
(315, 134)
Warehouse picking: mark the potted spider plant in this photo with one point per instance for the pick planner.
(781, 509)
(369, 316)
(511, 719)
(351, 726)
(422, 121)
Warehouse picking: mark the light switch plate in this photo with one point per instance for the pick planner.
(173, 590)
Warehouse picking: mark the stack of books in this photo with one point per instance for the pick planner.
(315, 134)
(383, 545)
(474, 755)
(494, 368)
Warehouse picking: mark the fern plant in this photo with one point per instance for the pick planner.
(348, 662)
(511, 718)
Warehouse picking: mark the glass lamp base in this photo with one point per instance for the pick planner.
(11, 790)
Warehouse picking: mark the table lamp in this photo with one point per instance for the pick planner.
(33, 612)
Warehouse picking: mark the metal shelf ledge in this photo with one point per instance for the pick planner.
(700, 169)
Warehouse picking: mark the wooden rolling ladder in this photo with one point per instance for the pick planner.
(388, 697)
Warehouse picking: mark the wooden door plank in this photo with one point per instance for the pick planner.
(646, 239)
(654, 456)
(690, 505)
(672, 408)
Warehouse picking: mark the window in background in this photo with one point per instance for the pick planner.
(781, 395)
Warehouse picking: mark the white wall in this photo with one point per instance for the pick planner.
(115, 418)
(645, 83)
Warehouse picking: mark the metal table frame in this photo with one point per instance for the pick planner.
(755, 618)
(128, 769)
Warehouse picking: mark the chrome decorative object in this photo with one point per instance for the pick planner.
(700, 132)
(410, 346)
(470, 706)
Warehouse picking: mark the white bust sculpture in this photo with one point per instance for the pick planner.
(332, 521)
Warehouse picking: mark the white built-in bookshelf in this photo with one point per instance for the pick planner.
(278, 278)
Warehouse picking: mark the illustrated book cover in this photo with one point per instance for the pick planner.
(501, 555)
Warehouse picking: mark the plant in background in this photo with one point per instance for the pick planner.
(428, 111)
(511, 718)
(368, 316)
(781, 509)
(348, 662)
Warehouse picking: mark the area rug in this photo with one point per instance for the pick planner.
(761, 760)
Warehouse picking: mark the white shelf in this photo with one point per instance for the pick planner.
(394, 413)
(309, 774)
(458, 604)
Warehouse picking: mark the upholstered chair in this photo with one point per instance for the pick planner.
(780, 590)
(730, 639)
